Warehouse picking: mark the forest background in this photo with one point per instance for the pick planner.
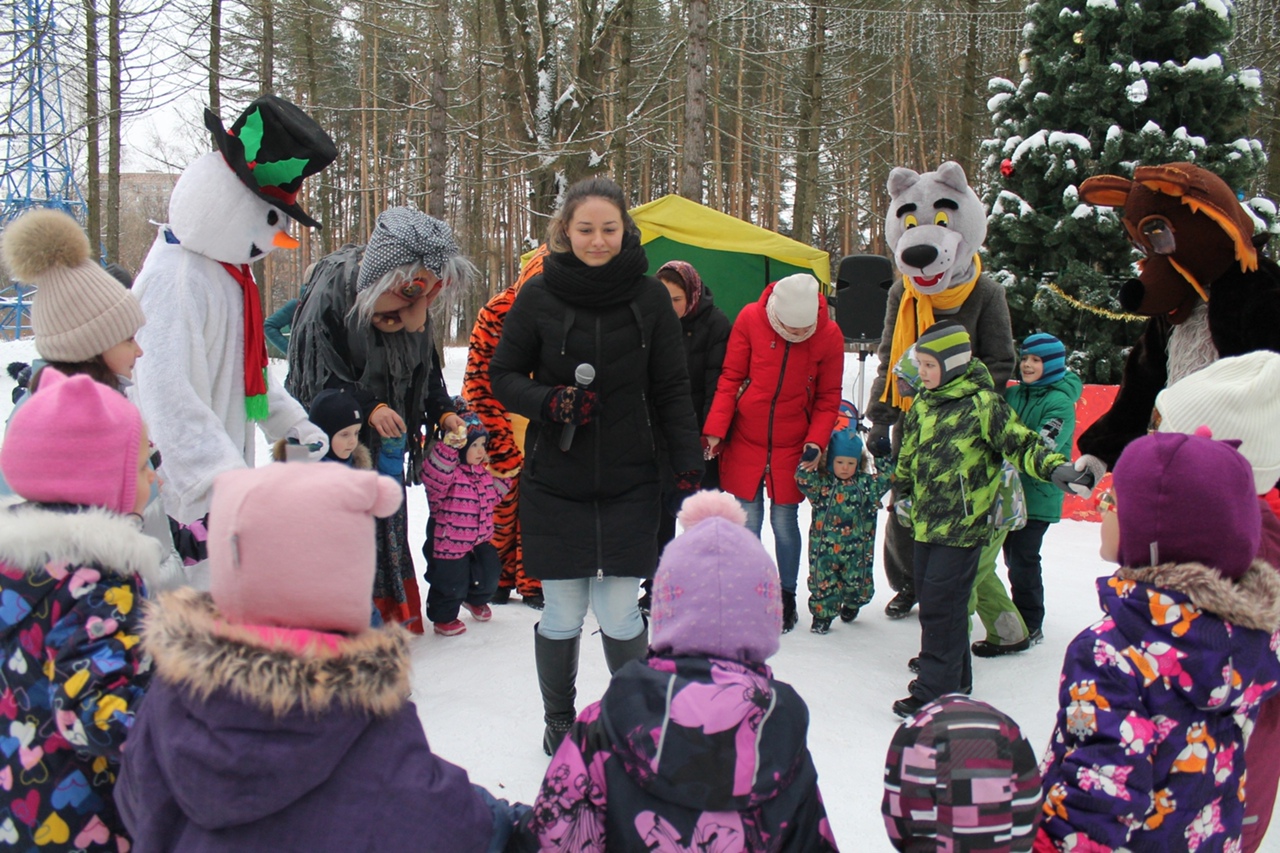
(785, 114)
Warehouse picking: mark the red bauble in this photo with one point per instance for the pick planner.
(1006, 167)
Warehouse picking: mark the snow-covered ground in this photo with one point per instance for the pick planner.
(477, 693)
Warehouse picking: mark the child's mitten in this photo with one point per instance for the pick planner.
(390, 460)
(1073, 481)
(878, 440)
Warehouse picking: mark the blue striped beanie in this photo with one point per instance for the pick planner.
(1050, 351)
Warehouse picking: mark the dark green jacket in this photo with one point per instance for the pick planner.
(1036, 405)
(953, 439)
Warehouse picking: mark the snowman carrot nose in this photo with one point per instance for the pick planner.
(282, 240)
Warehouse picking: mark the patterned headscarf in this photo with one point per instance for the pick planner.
(689, 280)
(403, 236)
(960, 775)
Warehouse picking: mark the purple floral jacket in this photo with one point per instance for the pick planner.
(1156, 702)
(684, 754)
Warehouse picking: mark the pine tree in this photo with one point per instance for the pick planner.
(1107, 85)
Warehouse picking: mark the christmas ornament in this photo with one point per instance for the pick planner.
(1078, 38)
(1006, 167)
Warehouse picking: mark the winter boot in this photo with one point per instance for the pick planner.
(788, 610)
(557, 662)
(618, 653)
(899, 607)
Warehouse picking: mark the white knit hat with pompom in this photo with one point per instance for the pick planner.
(79, 309)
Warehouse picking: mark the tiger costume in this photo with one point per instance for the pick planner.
(506, 434)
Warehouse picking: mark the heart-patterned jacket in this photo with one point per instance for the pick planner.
(71, 670)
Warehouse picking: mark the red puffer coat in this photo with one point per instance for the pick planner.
(773, 398)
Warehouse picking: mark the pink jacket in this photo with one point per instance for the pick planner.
(462, 498)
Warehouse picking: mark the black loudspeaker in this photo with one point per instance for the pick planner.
(862, 293)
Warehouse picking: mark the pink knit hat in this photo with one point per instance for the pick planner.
(74, 441)
(716, 591)
(292, 544)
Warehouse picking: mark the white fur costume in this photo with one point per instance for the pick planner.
(190, 381)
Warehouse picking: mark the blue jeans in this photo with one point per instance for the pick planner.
(786, 534)
(615, 602)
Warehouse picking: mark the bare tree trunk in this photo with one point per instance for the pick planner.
(215, 56)
(437, 141)
(695, 102)
(268, 72)
(970, 102)
(114, 98)
(93, 121)
(737, 179)
(809, 133)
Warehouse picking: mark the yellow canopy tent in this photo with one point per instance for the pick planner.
(736, 259)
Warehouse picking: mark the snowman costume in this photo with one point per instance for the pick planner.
(228, 209)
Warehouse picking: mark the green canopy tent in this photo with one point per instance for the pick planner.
(736, 259)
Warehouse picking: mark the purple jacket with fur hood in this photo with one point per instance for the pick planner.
(462, 498)
(250, 744)
(1157, 700)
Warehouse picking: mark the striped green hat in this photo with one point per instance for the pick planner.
(948, 342)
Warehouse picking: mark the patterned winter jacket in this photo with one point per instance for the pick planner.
(73, 671)
(1156, 702)
(843, 525)
(683, 754)
(462, 498)
(953, 439)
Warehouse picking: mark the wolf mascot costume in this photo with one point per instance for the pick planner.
(934, 227)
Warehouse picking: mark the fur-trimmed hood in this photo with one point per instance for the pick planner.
(361, 458)
(1197, 629)
(195, 649)
(32, 536)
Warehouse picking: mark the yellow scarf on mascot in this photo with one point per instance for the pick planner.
(915, 315)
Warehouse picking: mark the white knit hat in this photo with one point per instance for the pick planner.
(79, 309)
(1237, 397)
(795, 300)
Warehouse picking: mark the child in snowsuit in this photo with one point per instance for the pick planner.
(277, 719)
(954, 437)
(1045, 401)
(73, 568)
(845, 495)
(960, 777)
(462, 564)
(1157, 699)
(697, 747)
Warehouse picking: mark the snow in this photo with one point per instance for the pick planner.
(1082, 211)
(1213, 62)
(1251, 79)
(994, 102)
(1136, 92)
(1101, 4)
(1217, 7)
(477, 694)
(1007, 202)
(1061, 138)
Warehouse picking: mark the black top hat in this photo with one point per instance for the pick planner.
(271, 148)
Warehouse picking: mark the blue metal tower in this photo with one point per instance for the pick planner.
(37, 169)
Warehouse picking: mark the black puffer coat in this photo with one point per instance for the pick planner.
(706, 335)
(594, 509)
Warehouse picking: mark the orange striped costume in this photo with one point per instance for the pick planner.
(506, 431)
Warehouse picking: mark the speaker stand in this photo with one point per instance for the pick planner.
(864, 349)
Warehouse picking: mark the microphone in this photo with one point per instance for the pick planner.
(583, 375)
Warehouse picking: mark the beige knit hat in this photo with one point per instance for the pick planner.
(79, 310)
(795, 300)
(1237, 397)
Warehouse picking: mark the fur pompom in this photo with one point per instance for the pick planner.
(41, 240)
(1203, 431)
(711, 504)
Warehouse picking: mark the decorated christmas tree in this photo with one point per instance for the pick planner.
(1107, 85)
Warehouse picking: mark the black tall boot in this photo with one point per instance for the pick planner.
(788, 610)
(617, 653)
(557, 662)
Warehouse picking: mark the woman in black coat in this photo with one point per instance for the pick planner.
(589, 513)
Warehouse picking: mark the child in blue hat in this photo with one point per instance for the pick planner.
(845, 495)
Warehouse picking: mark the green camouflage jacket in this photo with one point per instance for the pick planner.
(953, 439)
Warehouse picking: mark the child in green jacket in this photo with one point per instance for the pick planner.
(845, 496)
(954, 436)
